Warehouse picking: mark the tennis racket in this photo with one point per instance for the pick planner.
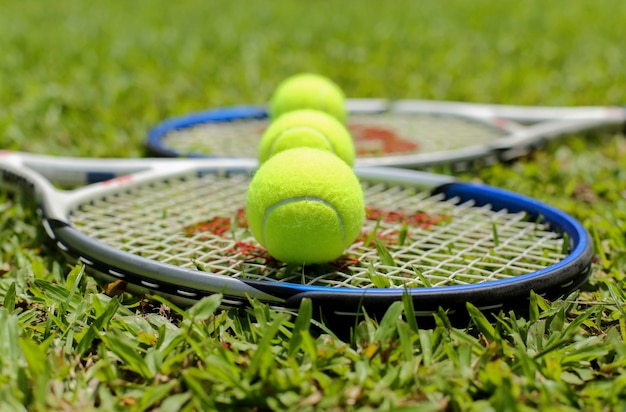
(177, 227)
(409, 133)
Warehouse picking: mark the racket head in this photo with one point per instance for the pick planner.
(385, 134)
(414, 134)
(177, 229)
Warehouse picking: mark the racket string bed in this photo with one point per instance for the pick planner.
(375, 134)
(197, 222)
(416, 134)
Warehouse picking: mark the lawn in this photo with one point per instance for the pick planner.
(89, 79)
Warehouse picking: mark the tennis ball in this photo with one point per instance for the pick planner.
(308, 91)
(305, 206)
(308, 128)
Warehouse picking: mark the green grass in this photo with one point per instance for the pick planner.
(84, 78)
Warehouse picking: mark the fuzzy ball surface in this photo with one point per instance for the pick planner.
(308, 91)
(307, 128)
(305, 206)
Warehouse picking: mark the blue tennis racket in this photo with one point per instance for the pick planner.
(176, 227)
(409, 133)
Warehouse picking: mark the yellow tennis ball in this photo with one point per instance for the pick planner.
(305, 206)
(307, 128)
(308, 91)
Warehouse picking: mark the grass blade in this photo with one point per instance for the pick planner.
(86, 341)
(384, 255)
(9, 298)
(409, 311)
(301, 326)
(482, 324)
(206, 307)
(263, 358)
